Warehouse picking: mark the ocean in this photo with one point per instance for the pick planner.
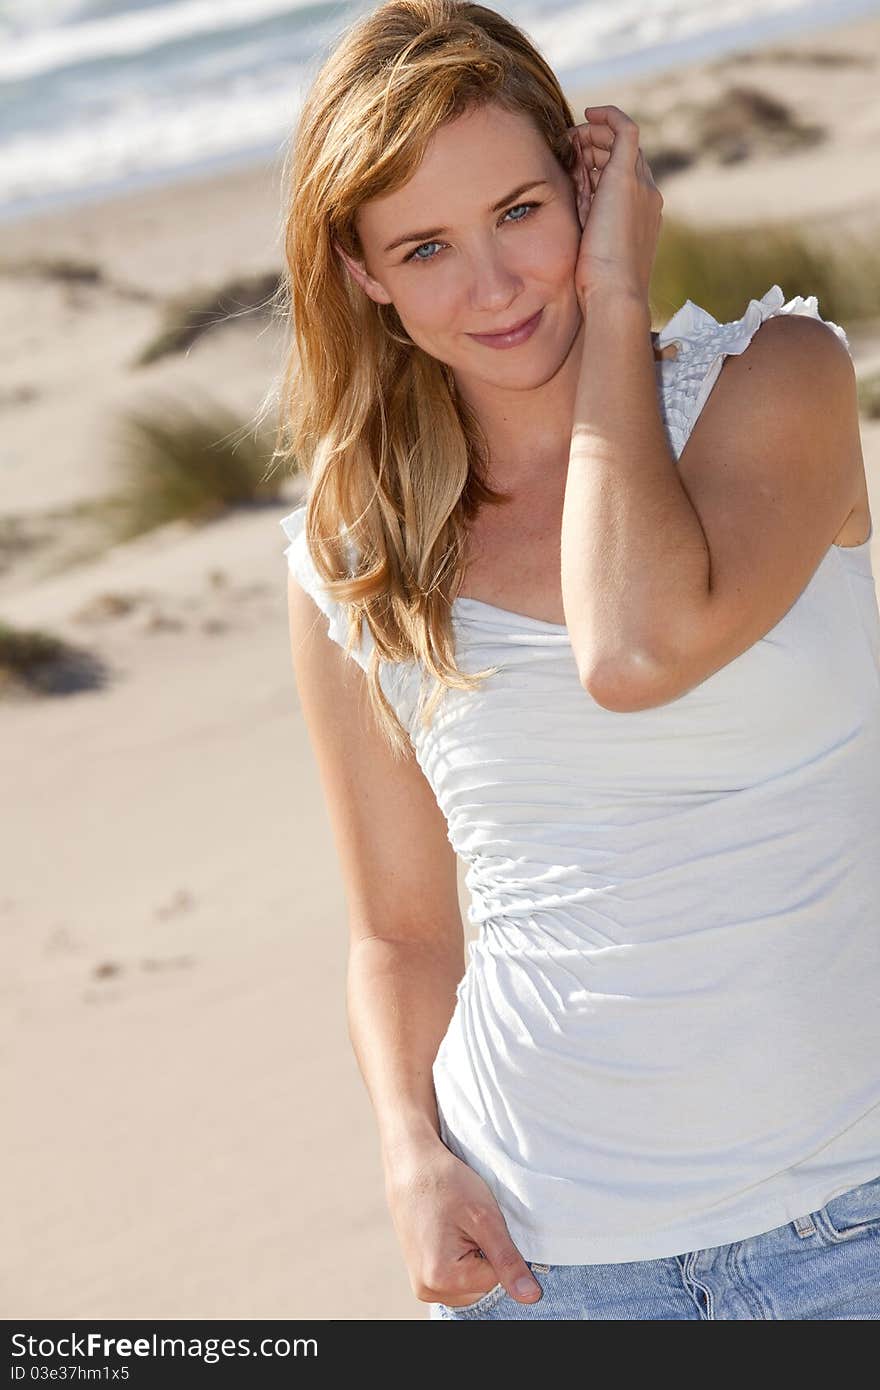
(99, 96)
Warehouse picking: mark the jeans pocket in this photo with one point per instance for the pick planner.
(855, 1212)
(484, 1301)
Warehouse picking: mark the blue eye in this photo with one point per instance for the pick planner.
(414, 256)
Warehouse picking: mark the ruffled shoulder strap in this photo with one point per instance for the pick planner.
(302, 567)
(703, 344)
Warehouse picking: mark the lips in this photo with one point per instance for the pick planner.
(499, 332)
(512, 337)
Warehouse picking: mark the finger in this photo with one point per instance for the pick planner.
(589, 157)
(589, 135)
(625, 132)
(601, 135)
(618, 120)
(593, 130)
(510, 1268)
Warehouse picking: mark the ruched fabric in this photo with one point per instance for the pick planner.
(666, 1037)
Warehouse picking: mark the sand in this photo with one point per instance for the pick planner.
(188, 1132)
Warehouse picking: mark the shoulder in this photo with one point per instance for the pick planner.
(796, 349)
(771, 358)
(303, 576)
(773, 470)
(779, 434)
(789, 370)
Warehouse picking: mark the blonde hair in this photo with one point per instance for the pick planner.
(396, 463)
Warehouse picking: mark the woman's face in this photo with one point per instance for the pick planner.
(484, 235)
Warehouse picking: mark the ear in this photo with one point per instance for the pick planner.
(583, 189)
(361, 277)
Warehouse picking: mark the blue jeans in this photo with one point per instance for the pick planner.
(823, 1265)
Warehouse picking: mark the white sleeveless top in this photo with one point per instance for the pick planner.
(667, 1036)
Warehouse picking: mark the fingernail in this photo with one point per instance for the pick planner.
(524, 1284)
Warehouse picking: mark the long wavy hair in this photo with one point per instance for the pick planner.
(396, 463)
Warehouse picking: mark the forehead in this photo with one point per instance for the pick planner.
(472, 159)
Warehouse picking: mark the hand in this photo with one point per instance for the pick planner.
(619, 205)
(445, 1215)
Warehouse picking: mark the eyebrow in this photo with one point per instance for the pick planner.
(433, 232)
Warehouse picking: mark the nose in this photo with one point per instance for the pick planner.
(494, 285)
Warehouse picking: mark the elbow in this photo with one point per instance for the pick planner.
(625, 685)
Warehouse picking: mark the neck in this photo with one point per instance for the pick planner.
(529, 431)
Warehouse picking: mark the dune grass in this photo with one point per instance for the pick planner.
(189, 461)
(723, 268)
(65, 269)
(869, 396)
(189, 315)
(33, 662)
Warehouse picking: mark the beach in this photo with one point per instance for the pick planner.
(189, 1133)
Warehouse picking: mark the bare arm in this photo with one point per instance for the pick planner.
(405, 960)
(633, 549)
(670, 570)
(406, 952)
(400, 1001)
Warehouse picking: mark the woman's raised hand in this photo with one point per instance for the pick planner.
(444, 1214)
(619, 205)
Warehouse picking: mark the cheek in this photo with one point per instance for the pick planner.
(552, 254)
(429, 300)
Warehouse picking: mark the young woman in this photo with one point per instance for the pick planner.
(598, 618)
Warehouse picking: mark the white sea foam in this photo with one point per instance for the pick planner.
(95, 94)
